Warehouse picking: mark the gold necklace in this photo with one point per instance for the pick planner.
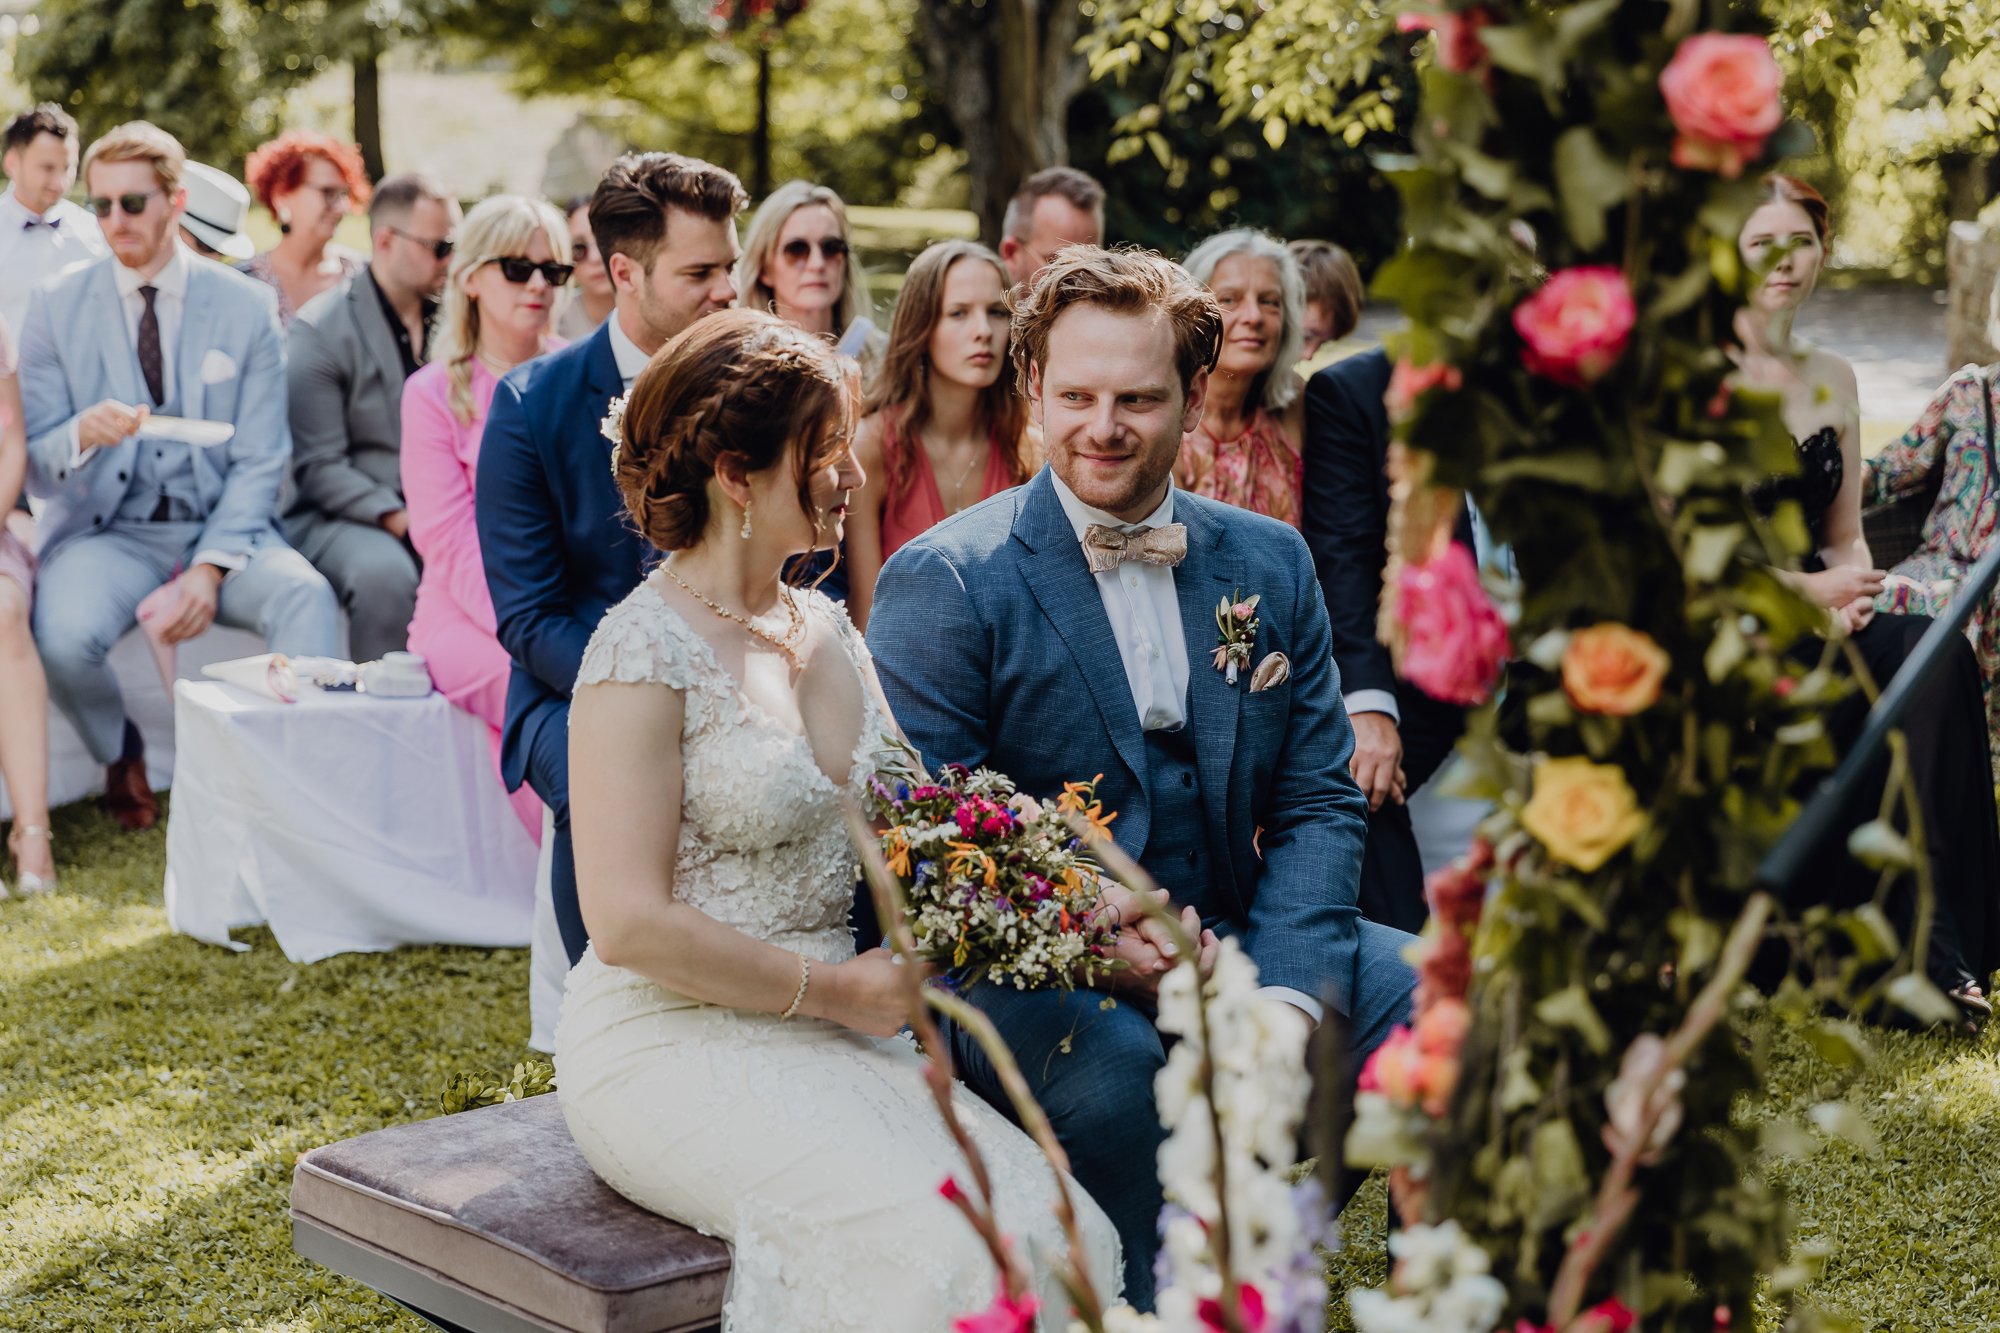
(788, 645)
(495, 364)
(978, 457)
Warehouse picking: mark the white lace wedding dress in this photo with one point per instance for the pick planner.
(815, 1151)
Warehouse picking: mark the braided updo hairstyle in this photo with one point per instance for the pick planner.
(738, 382)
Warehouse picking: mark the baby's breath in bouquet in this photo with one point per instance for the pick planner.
(996, 883)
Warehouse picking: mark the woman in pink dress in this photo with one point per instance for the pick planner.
(1245, 452)
(502, 285)
(944, 425)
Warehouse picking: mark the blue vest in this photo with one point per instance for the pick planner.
(162, 470)
(1177, 852)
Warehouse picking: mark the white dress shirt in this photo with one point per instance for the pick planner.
(32, 252)
(1144, 609)
(626, 352)
(1145, 614)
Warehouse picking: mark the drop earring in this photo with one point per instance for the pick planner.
(746, 520)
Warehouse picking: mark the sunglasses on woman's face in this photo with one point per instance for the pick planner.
(831, 249)
(514, 268)
(133, 204)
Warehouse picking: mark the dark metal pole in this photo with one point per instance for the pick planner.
(1817, 820)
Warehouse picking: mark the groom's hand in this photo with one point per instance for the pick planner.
(1378, 758)
(1144, 944)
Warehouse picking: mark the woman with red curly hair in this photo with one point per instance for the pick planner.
(309, 182)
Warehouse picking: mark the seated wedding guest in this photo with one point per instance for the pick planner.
(718, 915)
(505, 278)
(154, 327)
(1055, 207)
(217, 205)
(558, 550)
(1245, 448)
(309, 182)
(799, 264)
(1955, 435)
(946, 426)
(24, 692)
(41, 231)
(1784, 243)
(590, 299)
(350, 351)
(1402, 736)
(1334, 294)
(1043, 635)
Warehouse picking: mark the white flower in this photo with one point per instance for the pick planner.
(1378, 1312)
(1471, 1304)
(613, 425)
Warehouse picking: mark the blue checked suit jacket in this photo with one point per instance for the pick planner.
(993, 648)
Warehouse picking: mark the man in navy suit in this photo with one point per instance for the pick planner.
(559, 552)
(1067, 628)
(1401, 734)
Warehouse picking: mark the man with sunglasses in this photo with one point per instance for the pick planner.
(558, 550)
(351, 348)
(134, 503)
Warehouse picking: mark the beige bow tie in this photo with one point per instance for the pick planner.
(1107, 548)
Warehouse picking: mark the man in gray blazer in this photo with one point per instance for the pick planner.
(133, 503)
(351, 348)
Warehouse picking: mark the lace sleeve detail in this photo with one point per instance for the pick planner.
(641, 641)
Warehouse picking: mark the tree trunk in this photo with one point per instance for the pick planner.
(1007, 71)
(760, 133)
(368, 108)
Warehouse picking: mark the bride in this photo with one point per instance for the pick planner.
(726, 1059)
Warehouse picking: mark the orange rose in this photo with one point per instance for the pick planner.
(1611, 669)
(1584, 813)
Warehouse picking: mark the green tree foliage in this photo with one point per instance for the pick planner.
(212, 72)
(846, 89)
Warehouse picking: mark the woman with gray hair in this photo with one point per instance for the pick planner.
(799, 264)
(1949, 454)
(1245, 452)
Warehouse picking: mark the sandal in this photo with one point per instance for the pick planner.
(1972, 1003)
(24, 882)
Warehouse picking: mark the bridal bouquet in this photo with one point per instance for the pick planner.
(995, 882)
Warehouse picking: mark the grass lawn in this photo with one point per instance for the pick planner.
(155, 1091)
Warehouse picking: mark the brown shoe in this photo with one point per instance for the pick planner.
(127, 798)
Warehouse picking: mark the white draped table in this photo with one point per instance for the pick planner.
(347, 823)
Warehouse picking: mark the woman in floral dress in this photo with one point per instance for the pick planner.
(1953, 434)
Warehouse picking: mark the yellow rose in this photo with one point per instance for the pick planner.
(1611, 669)
(1584, 813)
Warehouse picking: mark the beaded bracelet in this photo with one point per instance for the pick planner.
(805, 979)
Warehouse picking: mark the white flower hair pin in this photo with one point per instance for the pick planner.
(612, 427)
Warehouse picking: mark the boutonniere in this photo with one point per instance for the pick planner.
(1236, 633)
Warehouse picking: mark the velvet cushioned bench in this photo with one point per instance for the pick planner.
(490, 1221)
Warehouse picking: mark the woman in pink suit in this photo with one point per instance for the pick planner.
(496, 312)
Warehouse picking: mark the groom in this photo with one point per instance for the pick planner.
(1067, 628)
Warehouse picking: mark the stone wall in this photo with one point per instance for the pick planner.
(1972, 260)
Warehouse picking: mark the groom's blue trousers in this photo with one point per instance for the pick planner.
(1092, 1070)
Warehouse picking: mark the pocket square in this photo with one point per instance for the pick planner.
(1275, 669)
(217, 366)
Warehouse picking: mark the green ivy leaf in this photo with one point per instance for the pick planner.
(1589, 182)
(1839, 1043)
(1917, 996)
(1879, 846)
(1556, 1159)
(1841, 1120)
(1571, 1008)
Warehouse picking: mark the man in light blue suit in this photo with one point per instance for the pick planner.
(1069, 628)
(155, 329)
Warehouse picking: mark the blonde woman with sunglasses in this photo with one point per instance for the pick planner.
(799, 264)
(510, 265)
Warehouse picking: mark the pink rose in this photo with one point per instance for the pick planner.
(1242, 610)
(1576, 326)
(1442, 1029)
(1455, 640)
(1409, 382)
(1459, 48)
(1722, 91)
(1005, 1315)
(1391, 1068)
(1250, 1311)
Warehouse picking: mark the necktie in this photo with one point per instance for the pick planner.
(151, 363)
(1107, 548)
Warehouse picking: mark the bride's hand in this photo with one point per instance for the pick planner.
(869, 993)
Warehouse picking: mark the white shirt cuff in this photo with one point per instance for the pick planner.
(1299, 1000)
(1374, 701)
(78, 456)
(226, 561)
